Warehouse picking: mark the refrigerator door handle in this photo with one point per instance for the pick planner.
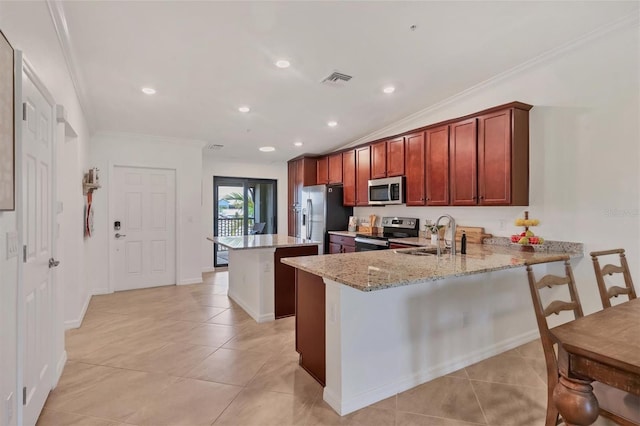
(310, 221)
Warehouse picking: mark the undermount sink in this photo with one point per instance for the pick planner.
(424, 251)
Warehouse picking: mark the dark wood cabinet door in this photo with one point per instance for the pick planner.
(322, 165)
(335, 248)
(395, 157)
(494, 159)
(285, 279)
(415, 170)
(363, 174)
(348, 249)
(310, 324)
(291, 198)
(437, 166)
(463, 160)
(335, 168)
(379, 160)
(349, 177)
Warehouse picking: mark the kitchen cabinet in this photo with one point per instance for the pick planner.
(400, 246)
(463, 156)
(437, 166)
(415, 169)
(349, 177)
(341, 244)
(301, 172)
(395, 157)
(363, 174)
(310, 324)
(322, 170)
(379, 160)
(285, 279)
(335, 168)
(503, 158)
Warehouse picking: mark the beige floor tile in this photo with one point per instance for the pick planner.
(186, 402)
(229, 366)
(114, 354)
(77, 379)
(459, 373)
(60, 418)
(390, 403)
(505, 369)
(213, 335)
(532, 349)
(193, 312)
(232, 316)
(508, 405)
(446, 397)
(322, 414)
(411, 419)
(260, 339)
(254, 407)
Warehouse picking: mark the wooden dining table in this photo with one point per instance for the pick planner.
(602, 347)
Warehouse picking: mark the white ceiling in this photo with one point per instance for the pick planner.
(208, 58)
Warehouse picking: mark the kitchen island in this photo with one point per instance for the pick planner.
(258, 282)
(392, 320)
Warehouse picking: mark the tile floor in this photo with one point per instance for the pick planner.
(188, 356)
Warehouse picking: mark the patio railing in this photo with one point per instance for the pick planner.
(232, 227)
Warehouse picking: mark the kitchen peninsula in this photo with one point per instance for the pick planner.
(258, 281)
(393, 319)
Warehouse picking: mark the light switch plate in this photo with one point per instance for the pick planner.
(12, 244)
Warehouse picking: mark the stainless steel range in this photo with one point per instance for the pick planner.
(392, 227)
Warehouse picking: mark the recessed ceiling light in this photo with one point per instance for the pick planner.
(283, 63)
(148, 91)
(298, 143)
(389, 89)
(267, 149)
(244, 109)
(332, 123)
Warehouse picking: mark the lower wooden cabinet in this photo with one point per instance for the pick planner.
(341, 244)
(285, 279)
(310, 324)
(399, 246)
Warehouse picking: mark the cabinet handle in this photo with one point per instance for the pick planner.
(482, 197)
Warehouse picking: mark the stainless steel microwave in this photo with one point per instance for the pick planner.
(386, 191)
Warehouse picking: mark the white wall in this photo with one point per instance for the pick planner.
(212, 166)
(29, 28)
(584, 150)
(185, 156)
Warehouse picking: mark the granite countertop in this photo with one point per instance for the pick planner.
(380, 269)
(261, 241)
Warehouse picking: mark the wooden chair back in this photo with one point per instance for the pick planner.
(542, 312)
(614, 291)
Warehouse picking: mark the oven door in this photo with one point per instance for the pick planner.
(369, 244)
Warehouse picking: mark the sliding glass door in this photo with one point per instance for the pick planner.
(242, 206)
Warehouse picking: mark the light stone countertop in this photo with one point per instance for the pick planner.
(261, 241)
(380, 269)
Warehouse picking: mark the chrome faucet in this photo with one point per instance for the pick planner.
(452, 225)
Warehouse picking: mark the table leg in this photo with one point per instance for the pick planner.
(575, 401)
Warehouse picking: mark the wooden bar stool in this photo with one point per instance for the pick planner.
(614, 291)
(614, 404)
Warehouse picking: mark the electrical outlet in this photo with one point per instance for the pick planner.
(502, 224)
(12, 244)
(9, 409)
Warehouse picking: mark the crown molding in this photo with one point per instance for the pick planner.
(59, 19)
(400, 126)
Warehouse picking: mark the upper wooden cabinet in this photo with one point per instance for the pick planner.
(437, 173)
(503, 158)
(349, 177)
(463, 156)
(322, 170)
(335, 168)
(395, 157)
(415, 169)
(363, 174)
(379, 160)
(301, 172)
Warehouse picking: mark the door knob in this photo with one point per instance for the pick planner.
(53, 263)
(120, 235)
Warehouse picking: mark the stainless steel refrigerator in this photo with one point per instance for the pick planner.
(322, 211)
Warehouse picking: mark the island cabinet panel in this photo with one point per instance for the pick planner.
(463, 156)
(292, 207)
(437, 165)
(349, 177)
(503, 158)
(379, 160)
(335, 168)
(310, 324)
(301, 172)
(363, 174)
(415, 169)
(285, 279)
(322, 172)
(395, 157)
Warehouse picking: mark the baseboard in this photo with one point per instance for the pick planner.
(370, 397)
(258, 318)
(60, 368)
(76, 323)
(190, 281)
(208, 269)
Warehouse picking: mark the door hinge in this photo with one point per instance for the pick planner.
(24, 111)
(24, 395)
(24, 254)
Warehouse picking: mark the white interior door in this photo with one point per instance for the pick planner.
(144, 246)
(37, 292)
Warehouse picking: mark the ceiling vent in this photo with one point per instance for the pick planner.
(337, 78)
(214, 147)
